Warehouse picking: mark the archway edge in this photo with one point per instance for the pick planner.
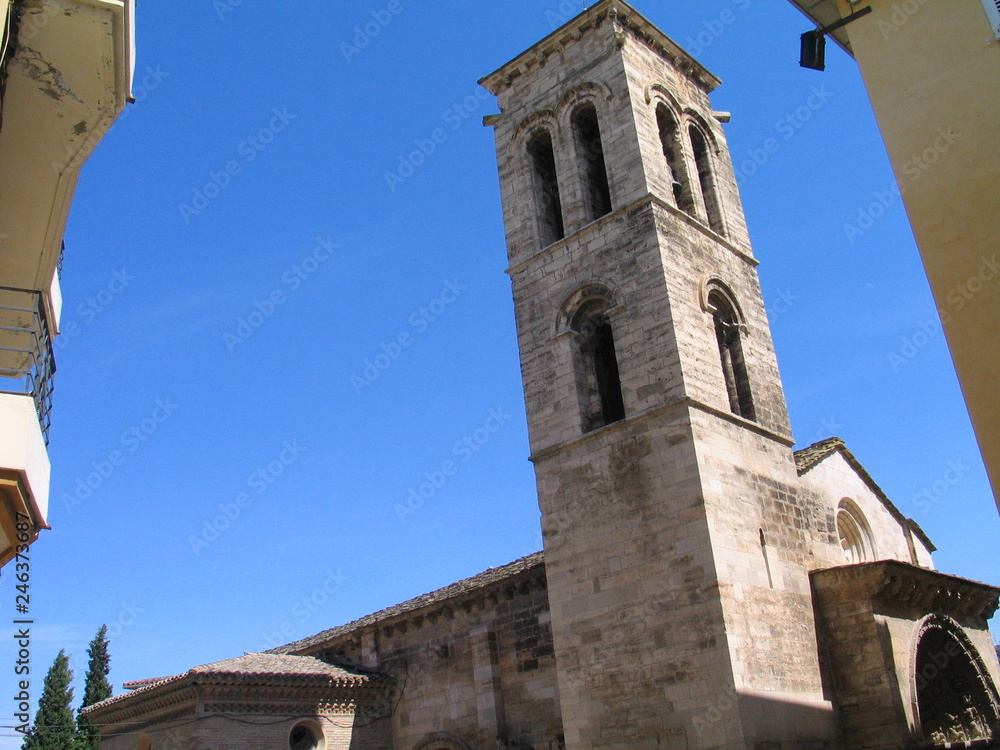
(442, 741)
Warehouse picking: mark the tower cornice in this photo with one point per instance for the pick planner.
(627, 21)
(648, 199)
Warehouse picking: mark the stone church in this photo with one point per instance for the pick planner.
(702, 585)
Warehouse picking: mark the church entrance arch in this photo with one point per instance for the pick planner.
(956, 698)
(441, 741)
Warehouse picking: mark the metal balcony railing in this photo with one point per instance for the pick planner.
(27, 362)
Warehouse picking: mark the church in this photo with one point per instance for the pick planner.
(703, 586)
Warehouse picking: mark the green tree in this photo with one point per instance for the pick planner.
(54, 728)
(96, 688)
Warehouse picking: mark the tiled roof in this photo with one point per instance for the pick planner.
(136, 684)
(250, 667)
(442, 595)
(266, 665)
(808, 458)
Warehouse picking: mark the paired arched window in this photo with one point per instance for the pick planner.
(597, 191)
(673, 154)
(543, 163)
(598, 381)
(729, 334)
(706, 178)
(588, 145)
(956, 699)
(677, 168)
(855, 536)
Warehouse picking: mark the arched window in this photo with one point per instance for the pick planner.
(673, 154)
(306, 735)
(597, 192)
(543, 162)
(598, 382)
(956, 699)
(706, 178)
(855, 536)
(728, 332)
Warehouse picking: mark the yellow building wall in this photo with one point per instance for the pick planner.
(932, 69)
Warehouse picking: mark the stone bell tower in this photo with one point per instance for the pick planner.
(676, 564)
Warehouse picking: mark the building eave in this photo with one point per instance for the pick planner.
(624, 15)
(70, 73)
(891, 583)
(809, 458)
(526, 572)
(824, 13)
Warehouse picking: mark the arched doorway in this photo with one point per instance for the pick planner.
(956, 699)
(441, 741)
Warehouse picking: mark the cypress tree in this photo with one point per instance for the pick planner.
(96, 688)
(54, 728)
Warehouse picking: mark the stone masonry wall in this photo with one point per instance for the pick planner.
(446, 680)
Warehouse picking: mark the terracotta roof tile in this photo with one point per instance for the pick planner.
(808, 458)
(248, 666)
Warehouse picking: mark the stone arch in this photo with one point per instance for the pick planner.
(574, 302)
(670, 124)
(694, 119)
(542, 119)
(658, 93)
(856, 538)
(306, 734)
(587, 154)
(711, 284)
(442, 741)
(705, 155)
(588, 91)
(730, 332)
(954, 697)
(587, 318)
(542, 164)
(591, 158)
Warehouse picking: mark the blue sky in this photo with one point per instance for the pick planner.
(220, 335)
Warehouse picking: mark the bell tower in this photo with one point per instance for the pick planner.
(676, 564)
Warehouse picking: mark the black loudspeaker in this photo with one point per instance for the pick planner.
(813, 51)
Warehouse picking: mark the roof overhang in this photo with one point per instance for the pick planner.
(211, 688)
(622, 14)
(809, 458)
(890, 585)
(823, 13)
(24, 475)
(70, 71)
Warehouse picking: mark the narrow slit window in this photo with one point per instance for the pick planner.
(599, 381)
(706, 178)
(543, 162)
(673, 155)
(729, 335)
(595, 172)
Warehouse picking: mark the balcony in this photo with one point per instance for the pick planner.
(26, 369)
(27, 363)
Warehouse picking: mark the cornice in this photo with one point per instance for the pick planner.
(626, 22)
(891, 583)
